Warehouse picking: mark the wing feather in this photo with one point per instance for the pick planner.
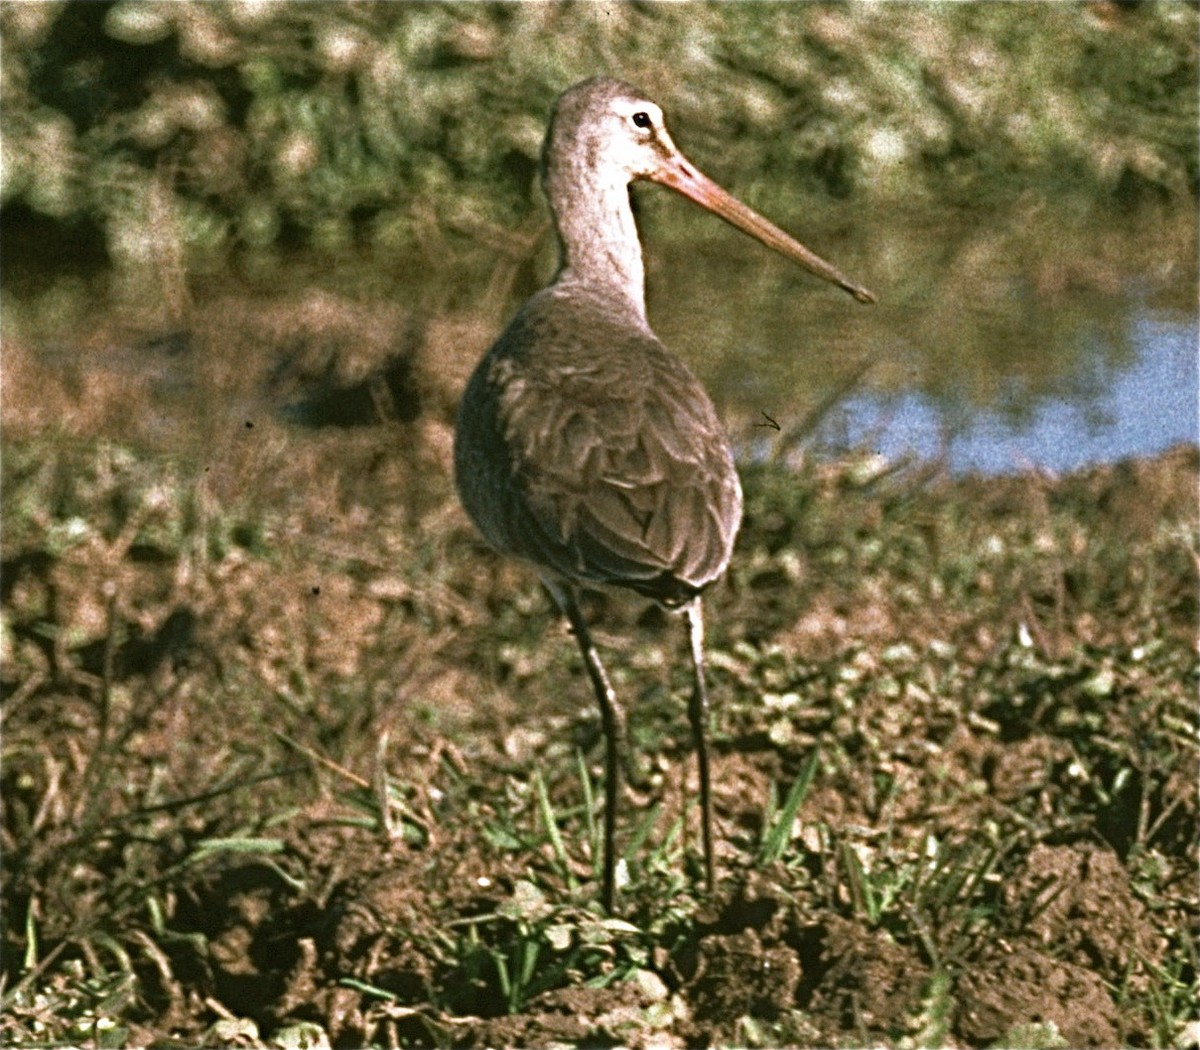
(605, 465)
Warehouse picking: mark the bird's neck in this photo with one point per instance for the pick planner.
(597, 234)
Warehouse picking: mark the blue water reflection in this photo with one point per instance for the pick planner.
(1132, 411)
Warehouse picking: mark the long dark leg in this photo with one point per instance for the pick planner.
(612, 718)
(698, 715)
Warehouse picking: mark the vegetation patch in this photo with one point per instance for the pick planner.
(290, 759)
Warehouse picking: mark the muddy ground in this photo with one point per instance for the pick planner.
(290, 758)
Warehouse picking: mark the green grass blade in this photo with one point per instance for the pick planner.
(551, 821)
(779, 831)
(589, 814)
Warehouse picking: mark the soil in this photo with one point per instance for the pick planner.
(281, 736)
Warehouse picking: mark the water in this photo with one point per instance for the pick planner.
(1039, 338)
(1048, 343)
(1140, 409)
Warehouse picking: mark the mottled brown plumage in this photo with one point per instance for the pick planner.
(583, 446)
(598, 468)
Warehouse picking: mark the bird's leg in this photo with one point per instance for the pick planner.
(612, 718)
(698, 716)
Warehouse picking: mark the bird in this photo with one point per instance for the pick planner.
(583, 447)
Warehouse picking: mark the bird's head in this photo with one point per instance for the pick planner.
(604, 128)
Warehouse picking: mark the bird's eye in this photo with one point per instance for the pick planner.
(642, 119)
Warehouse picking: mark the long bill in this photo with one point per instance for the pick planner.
(681, 176)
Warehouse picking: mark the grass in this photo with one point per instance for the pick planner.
(223, 829)
(339, 125)
(779, 819)
(289, 757)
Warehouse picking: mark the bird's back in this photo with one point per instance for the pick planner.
(586, 448)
